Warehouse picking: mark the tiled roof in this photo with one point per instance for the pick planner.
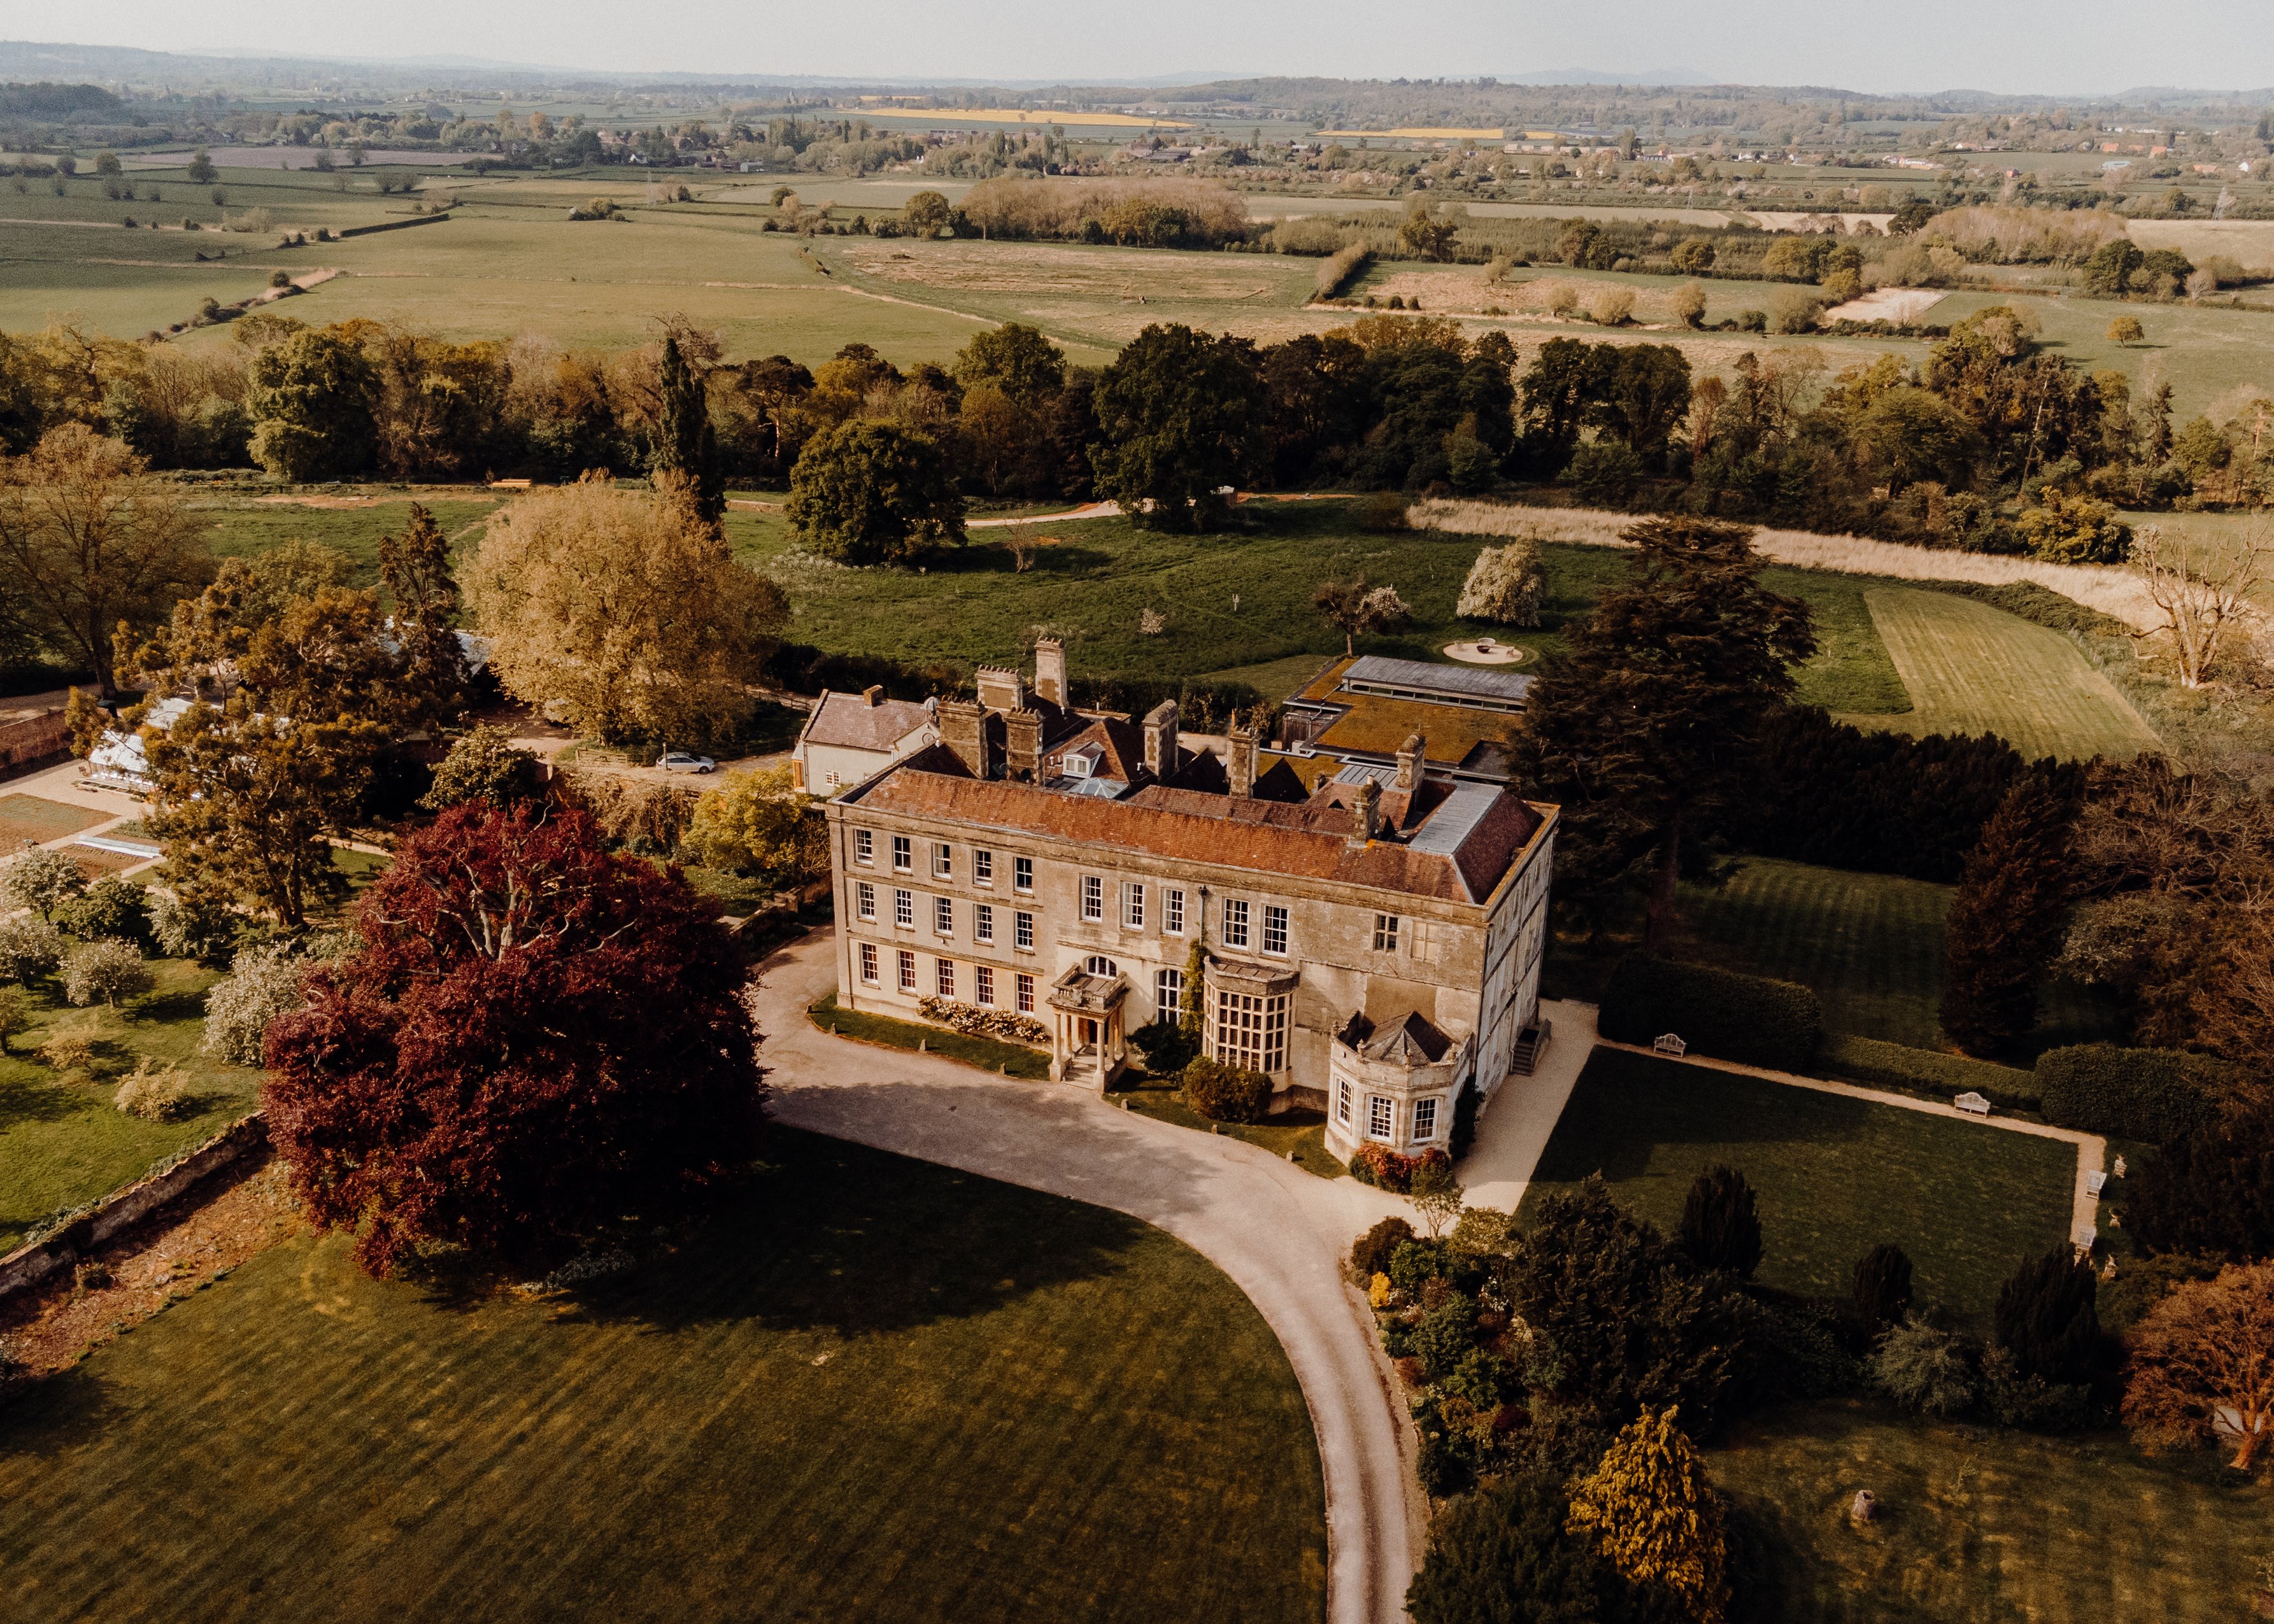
(848, 721)
(1305, 841)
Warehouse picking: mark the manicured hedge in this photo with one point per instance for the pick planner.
(1897, 1066)
(2155, 1094)
(1719, 1012)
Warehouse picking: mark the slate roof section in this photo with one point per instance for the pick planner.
(1414, 1039)
(1302, 841)
(1406, 678)
(848, 721)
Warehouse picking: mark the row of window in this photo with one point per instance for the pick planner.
(943, 916)
(946, 979)
(1382, 1114)
(942, 860)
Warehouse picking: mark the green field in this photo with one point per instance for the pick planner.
(1869, 944)
(1972, 669)
(872, 1388)
(247, 526)
(63, 1143)
(1982, 1527)
(1835, 1175)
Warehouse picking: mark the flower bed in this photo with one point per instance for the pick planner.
(1381, 1166)
(978, 1020)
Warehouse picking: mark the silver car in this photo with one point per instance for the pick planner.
(681, 761)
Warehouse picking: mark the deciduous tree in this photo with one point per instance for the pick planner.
(1352, 606)
(311, 400)
(1179, 416)
(757, 823)
(539, 1043)
(870, 492)
(2203, 1364)
(88, 540)
(625, 607)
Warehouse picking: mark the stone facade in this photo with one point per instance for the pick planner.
(983, 871)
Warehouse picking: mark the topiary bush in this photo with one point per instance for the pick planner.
(1224, 1092)
(1748, 1019)
(1166, 1047)
(2157, 1094)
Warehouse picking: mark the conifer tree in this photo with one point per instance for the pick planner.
(685, 442)
(1655, 1519)
(415, 569)
(2047, 1316)
(2005, 921)
(1882, 1288)
(1719, 1228)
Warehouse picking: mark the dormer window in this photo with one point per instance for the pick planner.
(1083, 763)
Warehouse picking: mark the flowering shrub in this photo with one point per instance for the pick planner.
(155, 1094)
(1378, 1165)
(978, 1020)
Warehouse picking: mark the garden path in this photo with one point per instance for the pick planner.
(1514, 1129)
(1281, 1235)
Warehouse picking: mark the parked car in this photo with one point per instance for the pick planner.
(681, 761)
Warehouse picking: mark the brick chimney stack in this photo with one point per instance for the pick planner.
(1051, 671)
(1239, 761)
(1366, 813)
(1411, 762)
(963, 729)
(1000, 688)
(1161, 740)
(1022, 749)
(872, 695)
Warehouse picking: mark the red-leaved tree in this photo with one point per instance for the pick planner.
(538, 1041)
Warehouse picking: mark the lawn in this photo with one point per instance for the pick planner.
(872, 1388)
(1982, 1527)
(1836, 1175)
(987, 1054)
(1301, 1133)
(63, 1143)
(1869, 944)
(247, 526)
(1972, 669)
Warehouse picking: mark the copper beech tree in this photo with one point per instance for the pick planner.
(2203, 1364)
(539, 1042)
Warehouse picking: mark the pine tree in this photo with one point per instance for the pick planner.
(1719, 1228)
(685, 442)
(1656, 1518)
(424, 600)
(2006, 920)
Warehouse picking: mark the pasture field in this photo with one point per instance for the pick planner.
(247, 526)
(63, 1143)
(2203, 351)
(870, 1387)
(1835, 1176)
(1972, 669)
(1870, 945)
(1977, 1527)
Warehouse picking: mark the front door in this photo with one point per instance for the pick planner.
(1086, 1032)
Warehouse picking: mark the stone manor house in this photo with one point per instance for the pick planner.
(1371, 942)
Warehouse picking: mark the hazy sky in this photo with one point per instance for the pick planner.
(2056, 46)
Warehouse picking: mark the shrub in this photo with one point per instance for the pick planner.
(68, 1052)
(1165, 1046)
(28, 948)
(1446, 1335)
(2157, 1094)
(111, 908)
(1502, 1553)
(1371, 1252)
(1800, 1354)
(106, 971)
(155, 1095)
(1224, 1092)
(1384, 1168)
(2047, 1318)
(1925, 1369)
(13, 1017)
(1504, 585)
(1926, 1070)
(1414, 1264)
(979, 1021)
(1881, 1291)
(40, 878)
(189, 926)
(1721, 1012)
(1605, 473)
(483, 764)
(2016, 1398)
(1719, 1228)
(264, 983)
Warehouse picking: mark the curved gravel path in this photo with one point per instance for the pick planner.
(1279, 1232)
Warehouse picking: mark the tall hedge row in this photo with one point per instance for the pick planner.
(1748, 1018)
(2157, 1094)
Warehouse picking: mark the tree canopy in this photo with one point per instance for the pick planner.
(539, 1043)
(1180, 413)
(873, 492)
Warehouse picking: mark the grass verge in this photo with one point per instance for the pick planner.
(871, 1388)
(1010, 1059)
(1835, 1175)
(1299, 1136)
